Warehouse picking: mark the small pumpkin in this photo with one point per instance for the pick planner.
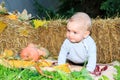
(31, 52)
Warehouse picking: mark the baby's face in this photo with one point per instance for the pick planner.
(75, 33)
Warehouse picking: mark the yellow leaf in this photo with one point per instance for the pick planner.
(44, 63)
(7, 53)
(23, 32)
(2, 26)
(19, 63)
(63, 67)
(38, 23)
(12, 17)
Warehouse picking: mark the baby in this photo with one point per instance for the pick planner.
(31, 52)
(79, 47)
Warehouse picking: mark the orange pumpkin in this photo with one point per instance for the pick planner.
(30, 53)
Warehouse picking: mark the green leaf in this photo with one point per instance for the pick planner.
(103, 77)
(117, 76)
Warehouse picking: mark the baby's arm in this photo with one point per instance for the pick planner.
(62, 54)
(62, 57)
(91, 58)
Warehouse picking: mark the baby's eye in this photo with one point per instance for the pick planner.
(68, 30)
(75, 32)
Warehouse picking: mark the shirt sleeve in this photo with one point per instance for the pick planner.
(91, 58)
(63, 53)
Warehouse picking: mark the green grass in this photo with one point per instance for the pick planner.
(117, 76)
(26, 74)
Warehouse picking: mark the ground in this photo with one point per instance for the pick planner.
(109, 72)
(51, 67)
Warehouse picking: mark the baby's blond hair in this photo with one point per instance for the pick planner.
(82, 18)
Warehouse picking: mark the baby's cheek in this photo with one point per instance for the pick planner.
(67, 35)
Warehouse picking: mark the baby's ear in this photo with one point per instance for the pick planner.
(86, 34)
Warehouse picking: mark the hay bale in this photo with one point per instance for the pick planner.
(19, 34)
(106, 34)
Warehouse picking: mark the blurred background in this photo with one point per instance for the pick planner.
(65, 8)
